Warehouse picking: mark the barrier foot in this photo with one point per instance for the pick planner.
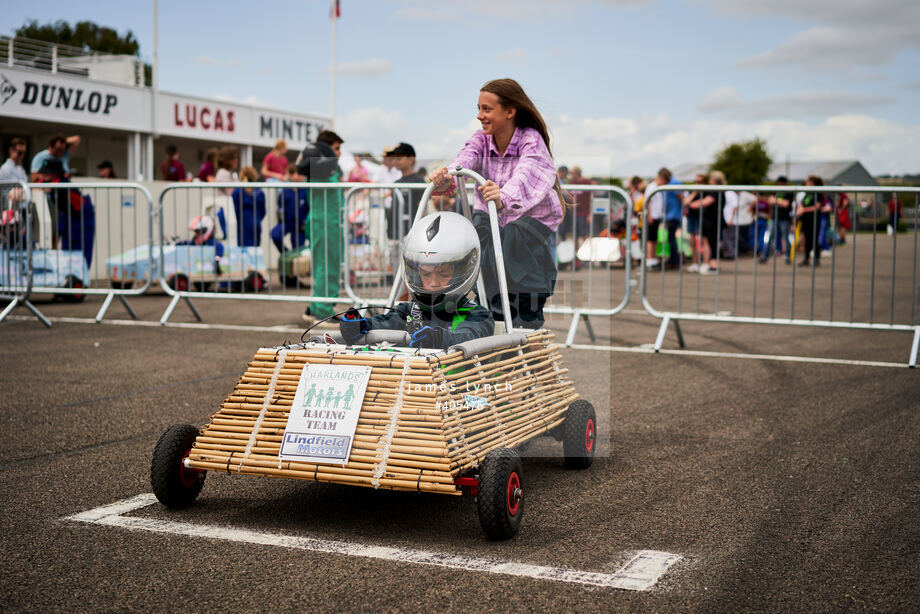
(662, 330)
(584, 317)
(192, 307)
(9, 308)
(170, 308)
(105, 306)
(680, 335)
(570, 336)
(127, 305)
(912, 361)
(18, 301)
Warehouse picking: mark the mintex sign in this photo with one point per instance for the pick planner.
(48, 97)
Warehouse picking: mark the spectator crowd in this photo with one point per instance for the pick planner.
(694, 228)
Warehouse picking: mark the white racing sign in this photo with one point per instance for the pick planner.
(324, 414)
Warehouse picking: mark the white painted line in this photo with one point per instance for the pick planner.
(643, 349)
(115, 509)
(641, 572)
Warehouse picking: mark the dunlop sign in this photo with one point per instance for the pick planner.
(47, 97)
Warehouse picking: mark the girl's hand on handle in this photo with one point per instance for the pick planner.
(491, 191)
(441, 180)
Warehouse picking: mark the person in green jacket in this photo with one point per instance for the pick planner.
(319, 163)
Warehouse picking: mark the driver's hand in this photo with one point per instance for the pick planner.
(352, 326)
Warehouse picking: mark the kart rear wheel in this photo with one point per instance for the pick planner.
(178, 282)
(579, 435)
(175, 486)
(120, 284)
(254, 282)
(501, 495)
(71, 281)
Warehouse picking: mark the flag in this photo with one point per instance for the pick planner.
(335, 10)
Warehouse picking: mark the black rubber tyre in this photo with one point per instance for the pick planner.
(178, 282)
(71, 281)
(120, 284)
(254, 282)
(501, 496)
(202, 286)
(175, 486)
(579, 435)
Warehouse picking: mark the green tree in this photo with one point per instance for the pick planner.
(744, 163)
(85, 35)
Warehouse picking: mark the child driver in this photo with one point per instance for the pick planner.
(440, 266)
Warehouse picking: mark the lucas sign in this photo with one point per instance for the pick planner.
(324, 414)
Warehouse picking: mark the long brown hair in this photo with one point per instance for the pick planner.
(511, 95)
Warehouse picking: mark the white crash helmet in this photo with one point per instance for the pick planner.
(202, 227)
(438, 239)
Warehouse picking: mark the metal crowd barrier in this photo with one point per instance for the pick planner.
(600, 243)
(263, 236)
(83, 234)
(372, 220)
(16, 244)
(863, 286)
(377, 218)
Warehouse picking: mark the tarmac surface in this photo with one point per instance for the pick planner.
(782, 484)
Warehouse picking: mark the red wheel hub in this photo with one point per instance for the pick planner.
(515, 493)
(589, 435)
(187, 476)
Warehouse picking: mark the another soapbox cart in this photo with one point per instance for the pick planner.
(443, 421)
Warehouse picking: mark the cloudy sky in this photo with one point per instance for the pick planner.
(626, 86)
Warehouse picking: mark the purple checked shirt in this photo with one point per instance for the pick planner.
(525, 175)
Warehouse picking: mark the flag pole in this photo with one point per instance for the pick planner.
(333, 19)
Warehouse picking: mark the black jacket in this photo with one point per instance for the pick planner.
(317, 162)
(473, 321)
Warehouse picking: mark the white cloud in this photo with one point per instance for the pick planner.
(365, 68)
(846, 33)
(800, 104)
(514, 55)
(828, 48)
(623, 146)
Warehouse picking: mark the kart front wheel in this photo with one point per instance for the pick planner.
(501, 494)
(579, 435)
(254, 282)
(178, 282)
(173, 484)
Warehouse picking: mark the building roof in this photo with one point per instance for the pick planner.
(847, 172)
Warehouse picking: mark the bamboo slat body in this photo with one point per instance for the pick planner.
(453, 411)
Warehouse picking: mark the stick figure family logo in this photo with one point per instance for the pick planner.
(333, 397)
(7, 89)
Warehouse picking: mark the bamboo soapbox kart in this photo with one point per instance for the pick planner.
(441, 421)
